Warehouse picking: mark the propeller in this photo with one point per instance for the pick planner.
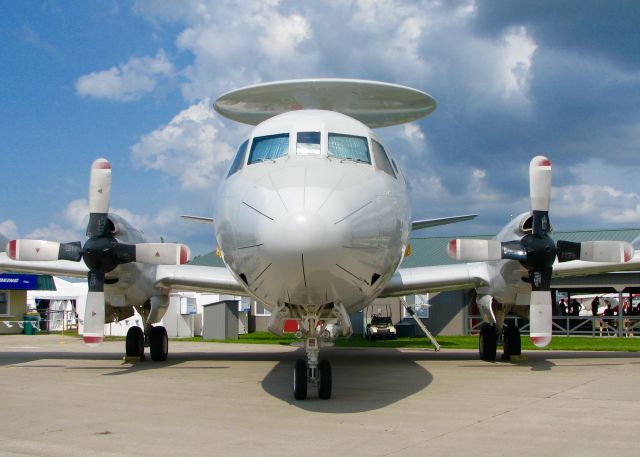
(537, 251)
(101, 252)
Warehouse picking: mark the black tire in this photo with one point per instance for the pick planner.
(159, 344)
(512, 341)
(488, 342)
(135, 342)
(324, 381)
(300, 374)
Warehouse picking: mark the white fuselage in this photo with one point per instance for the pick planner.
(312, 213)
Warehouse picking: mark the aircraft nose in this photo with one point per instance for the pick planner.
(301, 234)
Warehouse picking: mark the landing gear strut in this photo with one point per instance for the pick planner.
(312, 371)
(313, 321)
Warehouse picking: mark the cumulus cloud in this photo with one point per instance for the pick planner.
(604, 205)
(8, 229)
(189, 147)
(126, 82)
(506, 89)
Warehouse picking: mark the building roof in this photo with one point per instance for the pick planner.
(209, 260)
(430, 251)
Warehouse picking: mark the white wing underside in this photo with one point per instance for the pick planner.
(199, 279)
(405, 281)
(56, 268)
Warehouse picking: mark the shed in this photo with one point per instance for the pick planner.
(220, 320)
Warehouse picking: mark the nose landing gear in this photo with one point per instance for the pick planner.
(312, 371)
(313, 322)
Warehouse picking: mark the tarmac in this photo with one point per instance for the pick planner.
(236, 400)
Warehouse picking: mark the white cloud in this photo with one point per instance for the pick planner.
(282, 34)
(189, 148)
(413, 132)
(128, 81)
(8, 229)
(517, 55)
(602, 205)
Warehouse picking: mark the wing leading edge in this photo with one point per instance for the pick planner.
(407, 281)
(198, 278)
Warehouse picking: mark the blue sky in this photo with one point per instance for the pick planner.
(134, 82)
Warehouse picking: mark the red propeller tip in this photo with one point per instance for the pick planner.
(453, 247)
(12, 250)
(541, 341)
(628, 252)
(92, 340)
(542, 161)
(184, 254)
(102, 164)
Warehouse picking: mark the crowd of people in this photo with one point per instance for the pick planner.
(604, 312)
(598, 307)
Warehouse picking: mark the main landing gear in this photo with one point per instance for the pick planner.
(488, 342)
(154, 337)
(312, 371)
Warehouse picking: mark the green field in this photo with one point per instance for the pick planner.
(450, 342)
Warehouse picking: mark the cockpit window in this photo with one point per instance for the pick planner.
(239, 159)
(308, 143)
(269, 147)
(349, 147)
(382, 160)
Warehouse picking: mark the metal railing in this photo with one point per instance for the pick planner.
(620, 326)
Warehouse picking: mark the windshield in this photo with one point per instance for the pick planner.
(349, 147)
(308, 143)
(269, 147)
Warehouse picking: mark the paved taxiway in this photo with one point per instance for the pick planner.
(236, 400)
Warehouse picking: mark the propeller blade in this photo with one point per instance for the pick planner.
(33, 250)
(162, 253)
(94, 319)
(100, 186)
(474, 250)
(99, 198)
(595, 251)
(540, 183)
(540, 323)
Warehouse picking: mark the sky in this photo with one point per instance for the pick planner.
(134, 82)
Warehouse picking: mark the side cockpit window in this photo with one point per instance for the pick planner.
(238, 161)
(269, 147)
(382, 159)
(349, 147)
(308, 143)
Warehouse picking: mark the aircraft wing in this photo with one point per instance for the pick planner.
(198, 278)
(582, 268)
(57, 267)
(426, 223)
(407, 281)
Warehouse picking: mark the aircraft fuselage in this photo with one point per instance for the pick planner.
(314, 211)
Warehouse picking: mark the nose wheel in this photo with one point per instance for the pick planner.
(312, 371)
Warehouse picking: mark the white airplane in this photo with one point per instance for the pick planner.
(313, 221)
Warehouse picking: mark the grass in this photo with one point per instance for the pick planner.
(563, 343)
(567, 343)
